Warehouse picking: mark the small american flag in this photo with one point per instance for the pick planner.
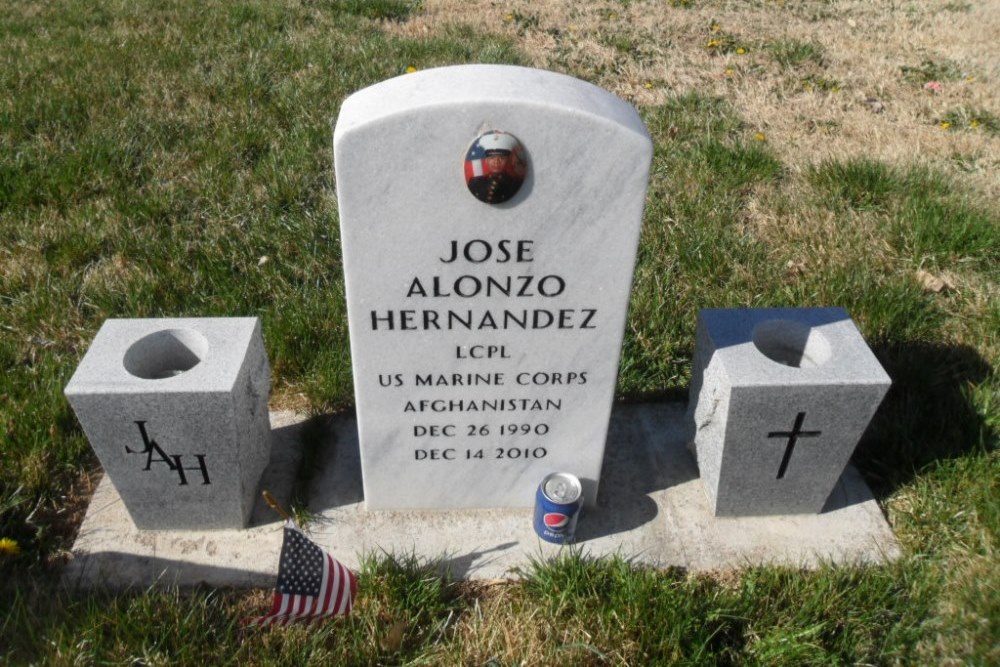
(473, 168)
(311, 583)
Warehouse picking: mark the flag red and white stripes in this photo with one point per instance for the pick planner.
(473, 168)
(311, 583)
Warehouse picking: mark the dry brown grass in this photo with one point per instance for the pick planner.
(645, 51)
(289, 396)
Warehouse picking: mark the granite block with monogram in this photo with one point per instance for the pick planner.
(489, 217)
(779, 399)
(176, 411)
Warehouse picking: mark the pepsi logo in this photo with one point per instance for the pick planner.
(555, 520)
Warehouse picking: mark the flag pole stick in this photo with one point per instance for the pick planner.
(273, 504)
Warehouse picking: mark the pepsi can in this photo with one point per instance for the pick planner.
(557, 507)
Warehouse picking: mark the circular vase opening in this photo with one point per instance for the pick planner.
(791, 343)
(165, 354)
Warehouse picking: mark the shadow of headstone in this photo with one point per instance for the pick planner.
(634, 469)
(928, 414)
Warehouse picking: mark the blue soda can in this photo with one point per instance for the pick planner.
(557, 507)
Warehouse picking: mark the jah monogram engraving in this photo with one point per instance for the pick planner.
(155, 454)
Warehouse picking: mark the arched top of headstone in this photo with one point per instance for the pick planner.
(485, 84)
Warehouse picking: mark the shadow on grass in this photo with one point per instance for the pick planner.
(928, 414)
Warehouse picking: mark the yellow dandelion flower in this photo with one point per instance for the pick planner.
(9, 547)
(647, 85)
(410, 69)
(974, 123)
(730, 71)
(741, 51)
(713, 43)
(944, 125)
(760, 136)
(508, 17)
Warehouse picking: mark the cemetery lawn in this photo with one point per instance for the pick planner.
(174, 159)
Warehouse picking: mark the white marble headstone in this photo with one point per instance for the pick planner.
(485, 337)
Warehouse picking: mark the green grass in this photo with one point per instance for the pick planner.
(151, 154)
(693, 251)
(572, 610)
(792, 53)
(925, 216)
(940, 69)
(862, 185)
(393, 10)
(820, 83)
(964, 118)
(720, 43)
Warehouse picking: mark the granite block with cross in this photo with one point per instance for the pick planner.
(779, 399)
(490, 217)
(176, 411)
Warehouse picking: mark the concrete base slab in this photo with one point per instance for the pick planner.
(651, 508)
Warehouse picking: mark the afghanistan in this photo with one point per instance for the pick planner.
(484, 405)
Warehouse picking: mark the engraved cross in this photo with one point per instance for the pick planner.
(793, 437)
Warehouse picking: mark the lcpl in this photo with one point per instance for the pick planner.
(482, 352)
